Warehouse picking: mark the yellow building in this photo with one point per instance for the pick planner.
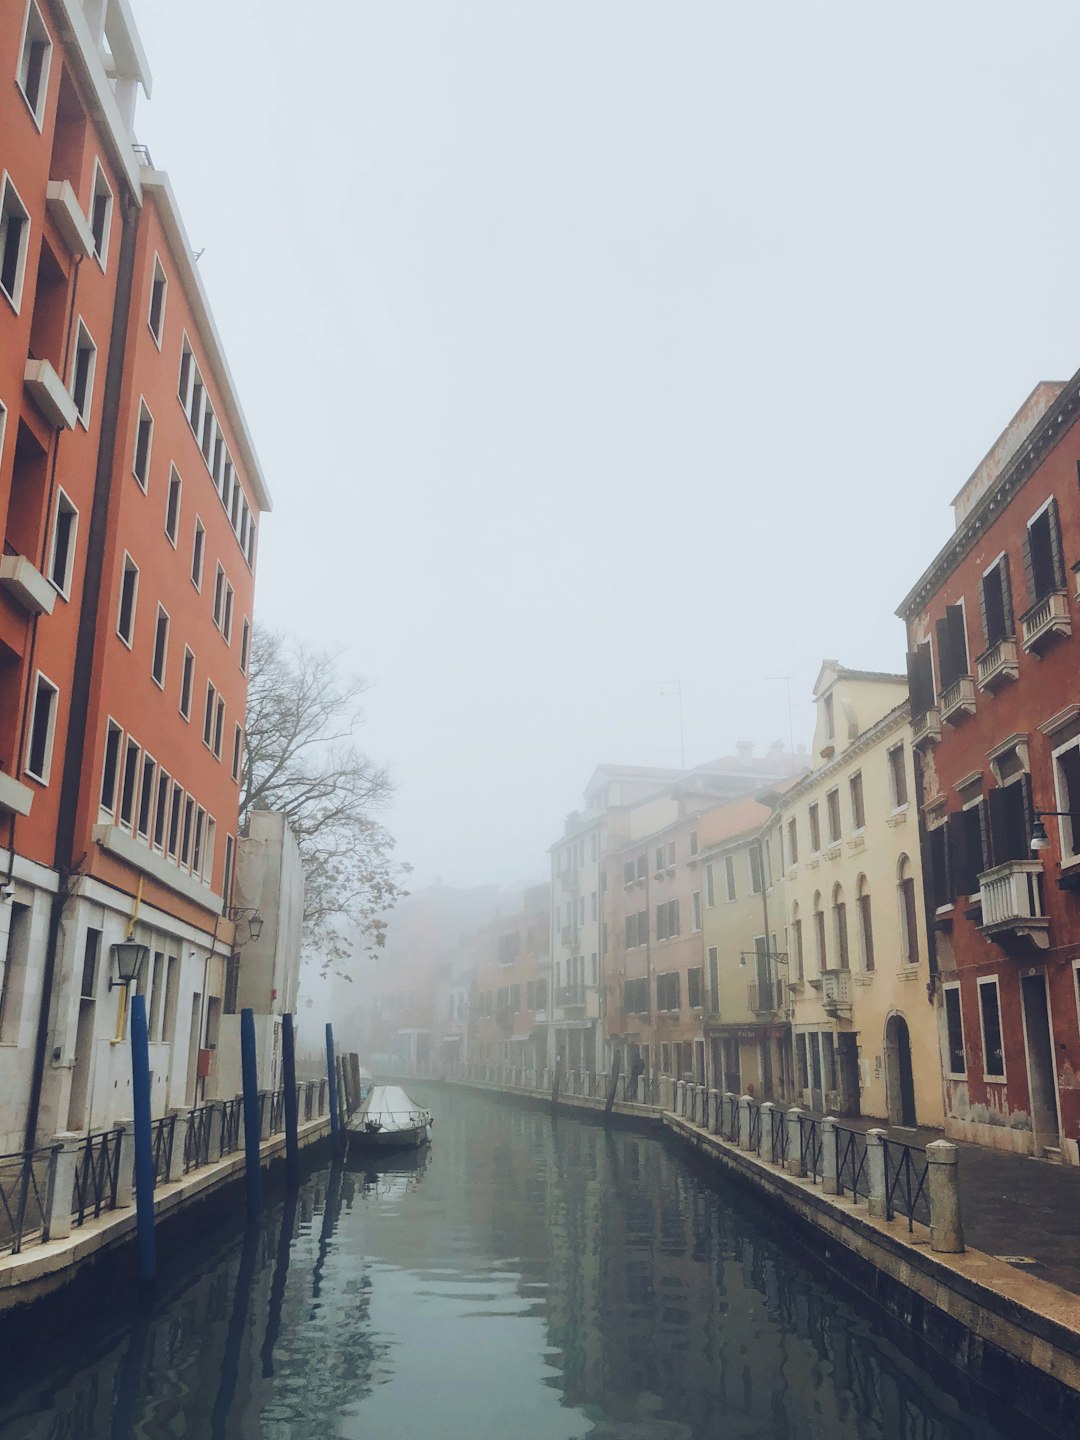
(865, 1040)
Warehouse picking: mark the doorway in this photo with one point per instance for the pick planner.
(899, 1076)
(847, 1048)
(1042, 1077)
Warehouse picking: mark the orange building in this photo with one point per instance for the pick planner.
(130, 495)
(508, 1015)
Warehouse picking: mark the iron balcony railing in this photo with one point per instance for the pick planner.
(27, 1179)
(97, 1175)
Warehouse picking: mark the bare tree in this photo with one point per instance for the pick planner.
(301, 760)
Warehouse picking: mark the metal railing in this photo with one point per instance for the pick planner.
(811, 1147)
(161, 1146)
(97, 1175)
(26, 1188)
(197, 1139)
(906, 1170)
(232, 1114)
(779, 1133)
(851, 1171)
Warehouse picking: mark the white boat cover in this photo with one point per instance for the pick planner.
(392, 1108)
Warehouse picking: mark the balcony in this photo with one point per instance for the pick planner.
(15, 798)
(26, 585)
(765, 997)
(67, 215)
(836, 992)
(958, 701)
(1011, 897)
(998, 666)
(50, 394)
(1046, 619)
(926, 729)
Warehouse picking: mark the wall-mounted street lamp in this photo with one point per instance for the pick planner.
(1040, 840)
(249, 917)
(129, 957)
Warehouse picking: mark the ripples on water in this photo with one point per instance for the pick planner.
(531, 1279)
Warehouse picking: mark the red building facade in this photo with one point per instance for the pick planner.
(995, 695)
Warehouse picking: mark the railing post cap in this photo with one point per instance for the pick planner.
(942, 1152)
(829, 1120)
(748, 1098)
(124, 1124)
(795, 1110)
(68, 1139)
(876, 1136)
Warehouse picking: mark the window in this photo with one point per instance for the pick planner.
(111, 766)
(695, 906)
(898, 777)
(667, 920)
(840, 929)
(219, 732)
(830, 718)
(172, 505)
(631, 931)
(187, 682)
(197, 548)
(83, 365)
(693, 842)
(101, 207)
(990, 1015)
(659, 858)
(819, 935)
(159, 288)
(226, 882)
(858, 809)
(671, 854)
(161, 646)
(995, 599)
(908, 914)
(42, 725)
(815, 830)
(14, 238)
(951, 633)
(34, 58)
(866, 928)
(161, 809)
(832, 810)
(667, 991)
(1067, 776)
(197, 840)
(694, 988)
(129, 591)
(729, 876)
(62, 553)
(147, 792)
(635, 996)
(219, 594)
(642, 866)
(710, 886)
(227, 614)
(209, 713)
(796, 944)
(176, 805)
(188, 832)
(144, 438)
(954, 1029)
(1010, 821)
(754, 857)
(1042, 553)
(793, 841)
(129, 782)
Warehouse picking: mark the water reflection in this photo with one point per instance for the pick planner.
(528, 1277)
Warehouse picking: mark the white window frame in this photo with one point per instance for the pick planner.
(953, 1074)
(143, 480)
(128, 640)
(137, 815)
(731, 887)
(1068, 833)
(209, 713)
(42, 778)
(63, 498)
(199, 528)
(695, 911)
(99, 188)
(82, 332)
(37, 111)
(174, 475)
(245, 646)
(7, 188)
(899, 807)
(111, 725)
(980, 982)
(159, 680)
(186, 713)
(158, 272)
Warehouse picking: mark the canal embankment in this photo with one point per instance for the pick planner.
(883, 1215)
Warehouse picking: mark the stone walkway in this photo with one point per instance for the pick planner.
(1013, 1205)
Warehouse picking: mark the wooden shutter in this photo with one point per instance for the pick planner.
(1006, 597)
(920, 679)
(911, 922)
(946, 667)
(959, 860)
(1053, 526)
(954, 616)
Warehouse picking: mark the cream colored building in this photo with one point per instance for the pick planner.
(865, 1040)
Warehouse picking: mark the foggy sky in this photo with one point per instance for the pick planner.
(593, 344)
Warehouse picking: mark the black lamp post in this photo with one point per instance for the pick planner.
(251, 917)
(129, 956)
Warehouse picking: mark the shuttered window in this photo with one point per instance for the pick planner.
(1043, 565)
(1010, 827)
(920, 668)
(954, 1025)
(995, 597)
(952, 646)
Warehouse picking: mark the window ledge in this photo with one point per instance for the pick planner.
(898, 817)
(15, 798)
(50, 394)
(26, 585)
(133, 852)
(67, 215)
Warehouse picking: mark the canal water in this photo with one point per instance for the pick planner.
(531, 1278)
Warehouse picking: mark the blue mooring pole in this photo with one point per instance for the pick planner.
(288, 1071)
(144, 1148)
(252, 1168)
(331, 1090)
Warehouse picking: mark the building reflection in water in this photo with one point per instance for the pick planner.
(646, 1306)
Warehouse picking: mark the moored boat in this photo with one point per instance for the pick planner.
(388, 1120)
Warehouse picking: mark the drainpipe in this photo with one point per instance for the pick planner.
(82, 671)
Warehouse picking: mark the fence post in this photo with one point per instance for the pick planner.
(179, 1144)
(715, 1113)
(58, 1220)
(793, 1121)
(745, 1102)
(765, 1149)
(680, 1097)
(124, 1130)
(942, 1177)
(875, 1173)
(829, 1178)
(703, 1107)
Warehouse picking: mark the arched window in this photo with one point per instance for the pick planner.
(866, 928)
(909, 921)
(795, 959)
(840, 930)
(819, 934)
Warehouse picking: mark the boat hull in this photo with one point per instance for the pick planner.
(389, 1139)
